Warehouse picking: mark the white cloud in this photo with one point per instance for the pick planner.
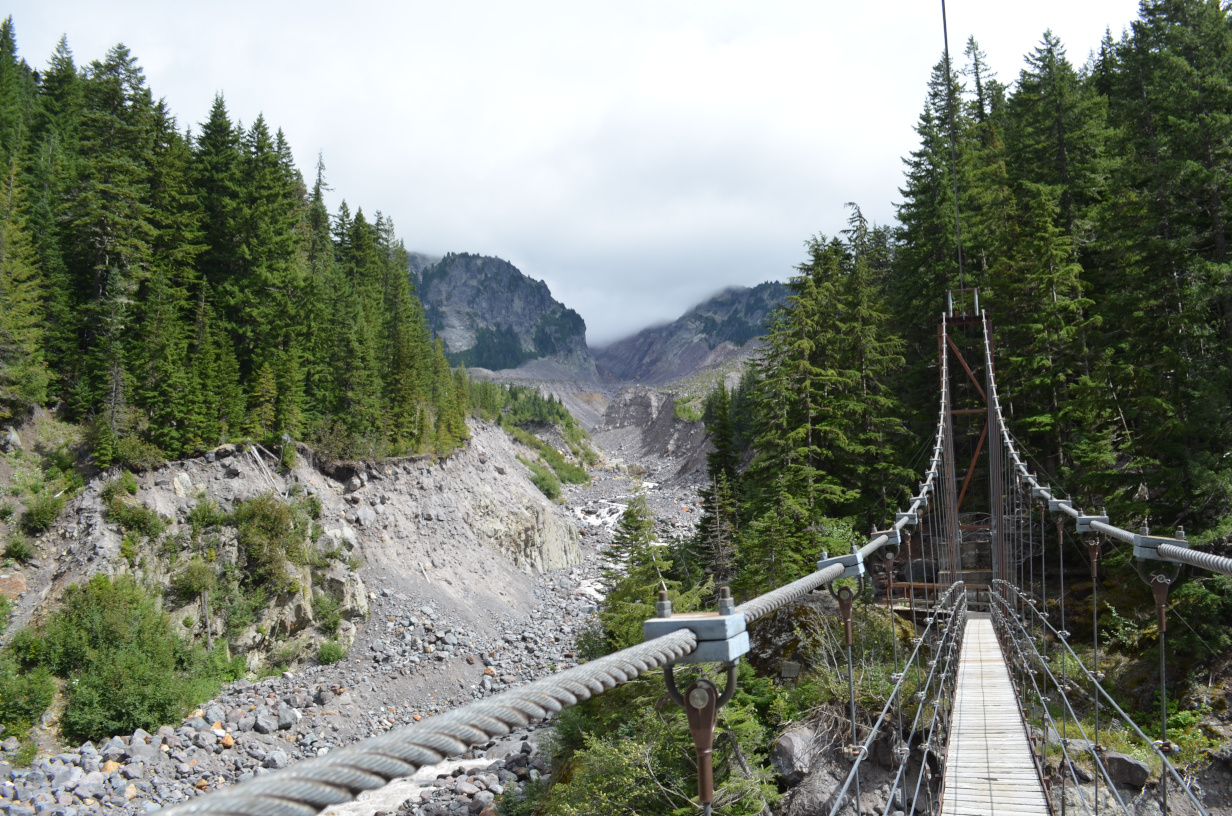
(635, 155)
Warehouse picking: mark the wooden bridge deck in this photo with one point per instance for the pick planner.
(989, 770)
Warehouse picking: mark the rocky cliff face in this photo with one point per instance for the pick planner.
(466, 533)
(492, 316)
(704, 337)
(639, 424)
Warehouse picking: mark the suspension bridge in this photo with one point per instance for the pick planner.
(983, 717)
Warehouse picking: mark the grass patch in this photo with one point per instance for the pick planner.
(686, 411)
(565, 470)
(543, 478)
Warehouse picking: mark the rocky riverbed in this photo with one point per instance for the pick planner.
(448, 623)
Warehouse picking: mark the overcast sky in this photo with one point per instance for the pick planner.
(637, 156)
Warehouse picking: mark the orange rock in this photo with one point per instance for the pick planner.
(417, 718)
(227, 741)
(197, 713)
(130, 792)
(217, 725)
(110, 766)
(489, 671)
(202, 784)
(12, 584)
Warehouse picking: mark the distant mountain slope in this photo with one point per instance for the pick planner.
(704, 336)
(490, 315)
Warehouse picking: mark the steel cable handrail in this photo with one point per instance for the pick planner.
(1064, 743)
(314, 784)
(1183, 555)
(1061, 689)
(1115, 706)
(956, 615)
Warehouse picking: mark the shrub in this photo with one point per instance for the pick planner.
(19, 549)
(686, 411)
(136, 518)
(196, 577)
(129, 670)
(134, 452)
(543, 478)
(330, 652)
(205, 514)
(23, 697)
(6, 511)
(325, 609)
(266, 533)
(41, 511)
(124, 484)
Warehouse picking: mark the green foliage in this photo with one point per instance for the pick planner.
(326, 611)
(137, 454)
(330, 652)
(41, 510)
(127, 669)
(24, 696)
(6, 511)
(125, 484)
(686, 411)
(568, 472)
(268, 537)
(135, 518)
(543, 478)
(205, 514)
(19, 549)
(193, 579)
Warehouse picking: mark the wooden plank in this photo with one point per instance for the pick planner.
(989, 768)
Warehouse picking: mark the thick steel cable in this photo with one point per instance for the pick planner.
(1181, 555)
(763, 605)
(1196, 558)
(1125, 717)
(312, 785)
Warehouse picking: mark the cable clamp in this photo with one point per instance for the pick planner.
(1146, 547)
(854, 752)
(721, 636)
(1055, 505)
(853, 563)
(922, 499)
(1084, 522)
(1041, 493)
(913, 520)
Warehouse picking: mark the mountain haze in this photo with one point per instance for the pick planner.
(707, 334)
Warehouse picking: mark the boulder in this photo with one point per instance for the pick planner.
(182, 485)
(792, 756)
(1127, 770)
(10, 441)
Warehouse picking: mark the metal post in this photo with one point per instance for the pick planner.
(845, 598)
(1093, 554)
(1160, 584)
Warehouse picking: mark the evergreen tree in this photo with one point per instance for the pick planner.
(23, 375)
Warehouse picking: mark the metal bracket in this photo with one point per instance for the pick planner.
(853, 563)
(1146, 547)
(721, 636)
(1055, 505)
(922, 499)
(912, 519)
(1084, 522)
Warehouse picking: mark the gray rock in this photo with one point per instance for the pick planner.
(246, 723)
(1126, 769)
(287, 717)
(792, 756)
(365, 516)
(265, 723)
(10, 744)
(353, 484)
(10, 441)
(215, 714)
(276, 759)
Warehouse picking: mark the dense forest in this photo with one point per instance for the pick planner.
(173, 290)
